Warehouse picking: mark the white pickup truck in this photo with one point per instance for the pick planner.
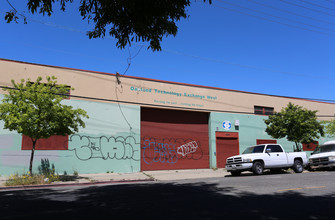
(266, 156)
(323, 156)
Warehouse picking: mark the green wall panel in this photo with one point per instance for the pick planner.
(110, 142)
(251, 128)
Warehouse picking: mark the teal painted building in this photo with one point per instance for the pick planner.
(138, 124)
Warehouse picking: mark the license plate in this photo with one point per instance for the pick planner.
(233, 167)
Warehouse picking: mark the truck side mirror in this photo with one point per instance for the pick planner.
(268, 150)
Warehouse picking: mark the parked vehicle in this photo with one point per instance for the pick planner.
(266, 156)
(323, 156)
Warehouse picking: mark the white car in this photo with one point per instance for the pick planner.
(323, 156)
(266, 156)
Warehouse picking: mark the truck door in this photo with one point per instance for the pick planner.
(276, 156)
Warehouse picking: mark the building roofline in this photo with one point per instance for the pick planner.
(164, 81)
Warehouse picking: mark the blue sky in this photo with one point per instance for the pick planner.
(278, 47)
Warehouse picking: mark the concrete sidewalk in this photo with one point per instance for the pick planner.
(162, 175)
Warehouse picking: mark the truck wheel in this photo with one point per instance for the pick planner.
(257, 168)
(297, 166)
(235, 173)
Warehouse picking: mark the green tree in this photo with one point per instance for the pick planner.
(34, 109)
(129, 20)
(330, 128)
(296, 124)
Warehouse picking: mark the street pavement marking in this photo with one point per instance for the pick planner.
(292, 189)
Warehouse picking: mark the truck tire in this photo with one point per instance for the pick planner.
(297, 166)
(235, 173)
(258, 168)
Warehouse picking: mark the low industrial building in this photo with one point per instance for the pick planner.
(137, 124)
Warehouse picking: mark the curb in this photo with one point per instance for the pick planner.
(24, 187)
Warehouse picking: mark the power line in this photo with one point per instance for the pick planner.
(271, 15)
(274, 21)
(117, 82)
(130, 58)
(290, 12)
(320, 6)
(246, 66)
(311, 9)
(201, 57)
(330, 1)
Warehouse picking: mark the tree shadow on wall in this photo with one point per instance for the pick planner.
(161, 201)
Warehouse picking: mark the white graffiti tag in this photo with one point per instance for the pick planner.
(188, 148)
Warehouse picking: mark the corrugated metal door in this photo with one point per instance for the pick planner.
(227, 145)
(172, 139)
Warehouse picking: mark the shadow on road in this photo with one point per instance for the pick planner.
(161, 201)
(266, 172)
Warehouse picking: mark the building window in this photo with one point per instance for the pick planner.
(261, 110)
(68, 90)
(266, 141)
(55, 142)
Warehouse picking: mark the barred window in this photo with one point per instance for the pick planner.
(261, 110)
(68, 90)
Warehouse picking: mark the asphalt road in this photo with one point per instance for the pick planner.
(269, 196)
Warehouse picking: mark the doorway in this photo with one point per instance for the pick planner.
(227, 145)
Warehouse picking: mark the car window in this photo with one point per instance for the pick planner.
(327, 148)
(274, 148)
(254, 149)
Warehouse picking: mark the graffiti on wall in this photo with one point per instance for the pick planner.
(188, 148)
(118, 148)
(170, 150)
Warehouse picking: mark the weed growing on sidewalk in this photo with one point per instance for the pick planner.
(46, 174)
(75, 173)
(48, 171)
(24, 179)
(148, 175)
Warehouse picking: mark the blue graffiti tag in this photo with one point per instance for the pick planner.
(162, 152)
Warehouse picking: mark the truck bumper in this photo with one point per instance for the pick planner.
(238, 167)
(326, 164)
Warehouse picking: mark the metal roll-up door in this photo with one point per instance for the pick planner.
(227, 145)
(173, 139)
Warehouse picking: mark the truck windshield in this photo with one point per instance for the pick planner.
(324, 148)
(254, 149)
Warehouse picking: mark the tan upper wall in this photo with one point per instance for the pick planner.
(153, 92)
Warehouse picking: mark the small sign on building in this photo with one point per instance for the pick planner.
(226, 125)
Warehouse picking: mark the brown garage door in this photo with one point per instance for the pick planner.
(172, 139)
(227, 145)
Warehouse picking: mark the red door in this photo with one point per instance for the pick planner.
(227, 145)
(173, 139)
